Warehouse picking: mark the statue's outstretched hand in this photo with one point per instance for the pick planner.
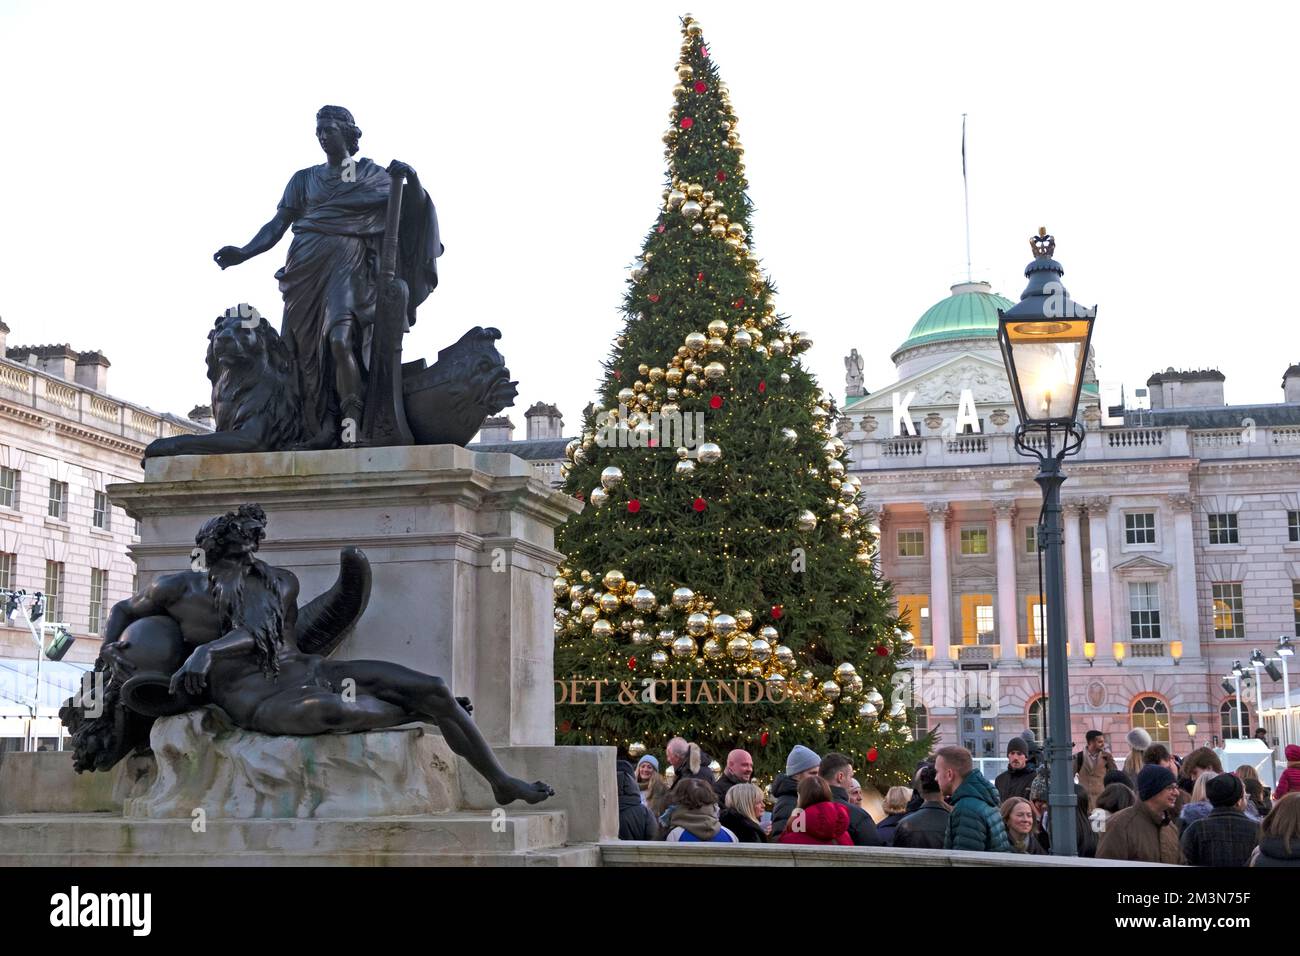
(228, 256)
(405, 171)
(193, 674)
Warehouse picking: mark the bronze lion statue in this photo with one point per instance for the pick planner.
(256, 394)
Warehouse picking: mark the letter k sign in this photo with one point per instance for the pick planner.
(903, 414)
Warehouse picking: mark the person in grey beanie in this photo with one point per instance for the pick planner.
(802, 762)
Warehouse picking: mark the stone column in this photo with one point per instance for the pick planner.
(940, 614)
(1008, 631)
(1189, 619)
(1099, 540)
(1075, 622)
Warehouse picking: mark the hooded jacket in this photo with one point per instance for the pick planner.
(786, 792)
(824, 824)
(1139, 834)
(1289, 782)
(635, 821)
(975, 823)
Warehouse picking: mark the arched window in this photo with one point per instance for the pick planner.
(1228, 718)
(1152, 715)
(1036, 714)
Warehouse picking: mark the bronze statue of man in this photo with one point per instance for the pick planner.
(330, 281)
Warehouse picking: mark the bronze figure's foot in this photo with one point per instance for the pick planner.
(512, 789)
(465, 704)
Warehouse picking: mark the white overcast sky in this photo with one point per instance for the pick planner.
(1157, 142)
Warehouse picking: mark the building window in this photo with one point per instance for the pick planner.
(9, 484)
(1140, 527)
(54, 591)
(977, 619)
(1144, 610)
(1229, 614)
(8, 564)
(58, 500)
(103, 511)
(1223, 529)
(1036, 716)
(98, 579)
(1031, 539)
(974, 541)
(1295, 605)
(1293, 525)
(920, 722)
(1152, 715)
(1035, 615)
(911, 544)
(914, 612)
(1228, 718)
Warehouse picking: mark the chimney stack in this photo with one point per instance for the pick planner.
(497, 429)
(1291, 384)
(92, 370)
(544, 421)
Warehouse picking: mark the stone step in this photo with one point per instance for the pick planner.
(56, 837)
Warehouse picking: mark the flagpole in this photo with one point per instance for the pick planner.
(965, 196)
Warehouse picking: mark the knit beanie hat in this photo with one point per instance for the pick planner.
(1017, 745)
(801, 758)
(1292, 752)
(1152, 779)
(1116, 776)
(650, 759)
(1138, 739)
(1224, 790)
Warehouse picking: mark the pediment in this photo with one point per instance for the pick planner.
(1143, 564)
(941, 385)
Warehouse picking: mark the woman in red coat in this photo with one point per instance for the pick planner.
(818, 820)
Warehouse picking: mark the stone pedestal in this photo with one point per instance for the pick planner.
(461, 545)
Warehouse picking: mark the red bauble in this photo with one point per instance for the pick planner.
(631, 663)
(618, 375)
(763, 738)
(739, 303)
(778, 611)
(715, 402)
(687, 122)
(704, 51)
(882, 650)
(660, 228)
(565, 726)
(579, 496)
(701, 87)
(700, 277)
(722, 177)
(762, 387)
(653, 297)
(699, 504)
(872, 755)
(634, 505)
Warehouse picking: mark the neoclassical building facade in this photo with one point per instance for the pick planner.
(1182, 540)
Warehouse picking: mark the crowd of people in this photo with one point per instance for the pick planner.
(1154, 808)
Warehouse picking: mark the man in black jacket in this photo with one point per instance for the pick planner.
(1227, 837)
(837, 770)
(635, 821)
(923, 829)
(1015, 780)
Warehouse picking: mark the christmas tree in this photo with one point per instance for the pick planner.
(723, 545)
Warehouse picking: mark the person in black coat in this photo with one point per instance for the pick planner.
(923, 829)
(1015, 780)
(837, 770)
(744, 808)
(635, 821)
(802, 762)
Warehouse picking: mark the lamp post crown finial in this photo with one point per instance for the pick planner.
(1042, 244)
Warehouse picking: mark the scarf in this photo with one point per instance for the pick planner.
(702, 823)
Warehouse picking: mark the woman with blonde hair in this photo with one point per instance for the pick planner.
(895, 809)
(744, 812)
(1018, 817)
(1138, 742)
(1199, 807)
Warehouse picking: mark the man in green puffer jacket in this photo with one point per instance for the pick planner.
(975, 823)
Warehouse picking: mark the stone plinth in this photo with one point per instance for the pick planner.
(205, 762)
(461, 545)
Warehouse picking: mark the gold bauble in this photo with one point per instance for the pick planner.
(576, 592)
(598, 497)
(696, 341)
(789, 435)
(589, 614)
(738, 647)
(717, 327)
(898, 710)
(828, 711)
(611, 477)
(684, 469)
(713, 649)
(636, 750)
(586, 576)
(805, 521)
(676, 198)
(683, 647)
(673, 376)
(744, 619)
(609, 603)
(863, 559)
(844, 672)
(723, 218)
(697, 228)
(835, 468)
(867, 709)
(640, 638)
(734, 243)
(679, 90)
(709, 453)
(613, 580)
(724, 625)
(760, 650)
(602, 629)
(691, 209)
(561, 587)
(697, 624)
(904, 638)
(693, 28)
(785, 378)
(776, 345)
(884, 728)
(666, 636)
(830, 690)
(694, 191)
(715, 344)
(692, 380)
(685, 71)
(714, 371)
(669, 136)
(742, 339)
(625, 396)
(737, 230)
(873, 696)
(853, 685)
(658, 658)
(717, 230)
(643, 599)
(819, 724)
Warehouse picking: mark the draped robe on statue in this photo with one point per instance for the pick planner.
(332, 272)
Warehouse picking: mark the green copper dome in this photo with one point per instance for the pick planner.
(971, 310)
